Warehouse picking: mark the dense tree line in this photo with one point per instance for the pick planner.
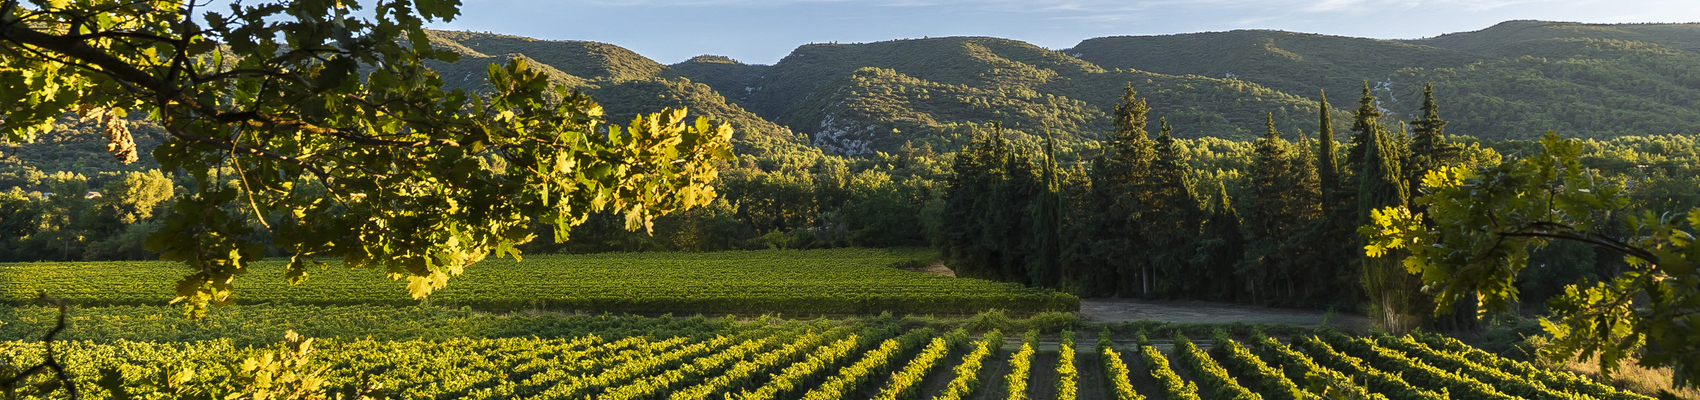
(1147, 218)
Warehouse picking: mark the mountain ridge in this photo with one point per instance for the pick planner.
(1516, 79)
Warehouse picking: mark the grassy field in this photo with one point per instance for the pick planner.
(843, 281)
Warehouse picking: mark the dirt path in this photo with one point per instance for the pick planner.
(936, 268)
(1201, 312)
(1121, 310)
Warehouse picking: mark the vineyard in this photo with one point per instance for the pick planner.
(573, 327)
(842, 281)
(823, 359)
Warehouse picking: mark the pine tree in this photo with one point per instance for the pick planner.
(1120, 179)
(1305, 193)
(1272, 214)
(1429, 147)
(1221, 249)
(1364, 126)
(1177, 216)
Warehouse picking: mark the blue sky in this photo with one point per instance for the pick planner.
(763, 31)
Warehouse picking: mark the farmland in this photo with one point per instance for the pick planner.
(827, 359)
(589, 327)
(843, 281)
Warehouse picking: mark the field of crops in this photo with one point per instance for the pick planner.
(842, 281)
(827, 360)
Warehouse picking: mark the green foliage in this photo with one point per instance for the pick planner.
(1068, 376)
(344, 142)
(967, 378)
(1485, 220)
(1021, 367)
(848, 379)
(1174, 387)
(1206, 370)
(1392, 385)
(1416, 371)
(829, 281)
(906, 382)
(1269, 381)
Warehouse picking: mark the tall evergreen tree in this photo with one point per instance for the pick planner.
(1046, 267)
(1221, 249)
(1395, 297)
(983, 222)
(1364, 126)
(1176, 217)
(1327, 166)
(1120, 176)
(1429, 147)
(1272, 183)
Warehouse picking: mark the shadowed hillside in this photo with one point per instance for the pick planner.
(624, 82)
(857, 98)
(1515, 80)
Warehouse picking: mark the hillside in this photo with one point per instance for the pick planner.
(624, 82)
(1515, 80)
(857, 98)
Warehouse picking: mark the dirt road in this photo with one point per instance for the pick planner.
(1120, 310)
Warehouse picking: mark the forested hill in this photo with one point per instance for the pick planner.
(1517, 79)
(855, 99)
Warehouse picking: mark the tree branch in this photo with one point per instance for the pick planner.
(50, 362)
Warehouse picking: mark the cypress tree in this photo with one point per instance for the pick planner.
(1045, 270)
(1327, 168)
(1382, 183)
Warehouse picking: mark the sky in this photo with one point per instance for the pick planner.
(764, 31)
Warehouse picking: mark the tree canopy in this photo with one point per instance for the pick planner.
(1486, 220)
(323, 121)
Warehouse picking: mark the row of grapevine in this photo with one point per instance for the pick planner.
(1391, 385)
(1240, 361)
(1296, 364)
(854, 376)
(815, 361)
(1562, 380)
(796, 376)
(744, 371)
(967, 378)
(1174, 388)
(1221, 385)
(1067, 376)
(1115, 369)
(1020, 366)
(1421, 374)
(905, 383)
(657, 385)
(632, 366)
(1510, 384)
